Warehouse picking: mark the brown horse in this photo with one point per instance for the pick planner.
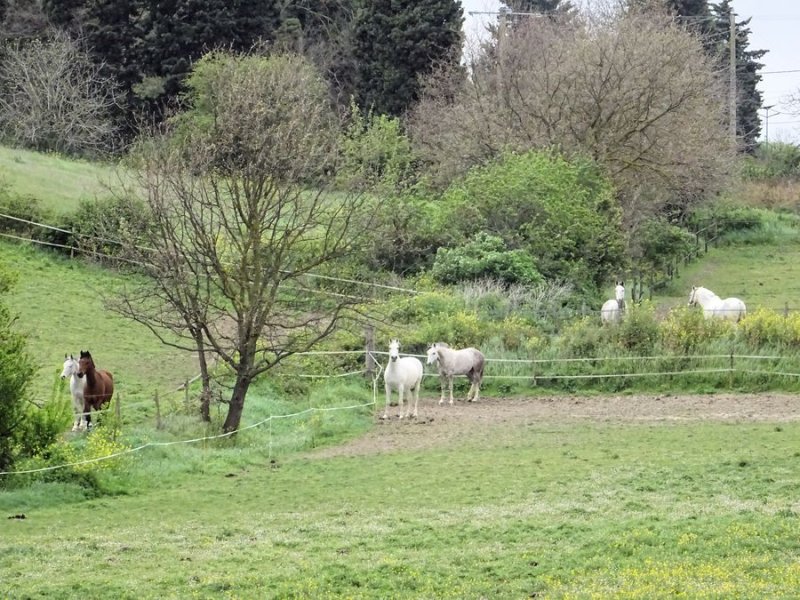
(99, 386)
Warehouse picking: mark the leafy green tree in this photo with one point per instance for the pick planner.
(397, 41)
(562, 213)
(16, 371)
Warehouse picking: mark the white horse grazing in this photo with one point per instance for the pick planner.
(403, 374)
(467, 361)
(76, 386)
(715, 307)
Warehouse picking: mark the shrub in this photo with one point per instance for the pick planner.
(563, 213)
(638, 330)
(459, 329)
(686, 329)
(660, 244)
(583, 338)
(725, 217)
(375, 152)
(16, 371)
(765, 328)
(484, 256)
(100, 223)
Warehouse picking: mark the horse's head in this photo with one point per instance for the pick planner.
(70, 366)
(85, 364)
(394, 350)
(433, 354)
(693, 296)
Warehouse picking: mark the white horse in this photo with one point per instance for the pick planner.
(715, 307)
(403, 374)
(467, 361)
(76, 386)
(611, 310)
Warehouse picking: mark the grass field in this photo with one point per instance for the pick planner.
(510, 507)
(60, 308)
(58, 183)
(763, 275)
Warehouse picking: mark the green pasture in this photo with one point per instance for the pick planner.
(60, 309)
(568, 509)
(762, 268)
(58, 183)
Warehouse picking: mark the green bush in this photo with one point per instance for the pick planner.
(583, 338)
(777, 160)
(685, 330)
(484, 256)
(660, 245)
(765, 328)
(725, 217)
(375, 152)
(100, 223)
(638, 330)
(16, 371)
(563, 213)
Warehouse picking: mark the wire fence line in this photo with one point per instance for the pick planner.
(376, 376)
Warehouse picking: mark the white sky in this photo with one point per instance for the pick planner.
(774, 26)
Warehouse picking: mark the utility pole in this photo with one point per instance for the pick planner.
(732, 66)
(766, 123)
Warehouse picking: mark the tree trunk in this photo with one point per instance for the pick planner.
(236, 405)
(205, 394)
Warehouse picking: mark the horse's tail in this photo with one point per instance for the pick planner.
(480, 362)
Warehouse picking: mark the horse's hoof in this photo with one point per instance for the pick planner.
(441, 402)
(384, 417)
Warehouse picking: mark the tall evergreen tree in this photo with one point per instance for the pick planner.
(397, 41)
(539, 6)
(748, 97)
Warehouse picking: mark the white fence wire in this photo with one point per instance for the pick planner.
(376, 376)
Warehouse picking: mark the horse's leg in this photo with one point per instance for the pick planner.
(402, 390)
(388, 398)
(415, 391)
(477, 384)
(450, 385)
(442, 382)
(77, 413)
(471, 392)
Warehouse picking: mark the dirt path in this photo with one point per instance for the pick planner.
(438, 425)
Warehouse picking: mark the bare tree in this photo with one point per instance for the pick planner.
(53, 98)
(243, 218)
(635, 91)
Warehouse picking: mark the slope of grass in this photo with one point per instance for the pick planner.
(60, 308)
(553, 510)
(763, 269)
(58, 183)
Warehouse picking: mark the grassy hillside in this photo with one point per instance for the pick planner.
(58, 183)
(761, 267)
(60, 308)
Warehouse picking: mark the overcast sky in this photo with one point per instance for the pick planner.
(775, 26)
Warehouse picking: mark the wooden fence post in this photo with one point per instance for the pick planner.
(159, 425)
(186, 396)
(369, 361)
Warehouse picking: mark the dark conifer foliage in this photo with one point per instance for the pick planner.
(748, 98)
(396, 42)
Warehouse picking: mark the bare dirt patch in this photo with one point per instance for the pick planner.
(439, 425)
